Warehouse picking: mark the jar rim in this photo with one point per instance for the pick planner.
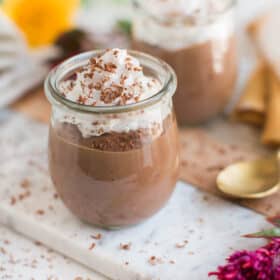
(55, 96)
(230, 5)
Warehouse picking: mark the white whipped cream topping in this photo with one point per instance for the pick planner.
(179, 8)
(114, 78)
(98, 124)
(170, 9)
(134, 88)
(204, 24)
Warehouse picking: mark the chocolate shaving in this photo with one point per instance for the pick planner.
(98, 236)
(13, 200)
(92, 246)
(126, 246)
(40, 212)
(25, 184)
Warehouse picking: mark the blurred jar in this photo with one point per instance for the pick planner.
(198, 39)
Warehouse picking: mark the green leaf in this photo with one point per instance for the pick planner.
(85, 2)
(125, 26)
(274, 220)
(120, 1)
(270, 233)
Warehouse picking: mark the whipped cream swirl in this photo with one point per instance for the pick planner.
(112, 79)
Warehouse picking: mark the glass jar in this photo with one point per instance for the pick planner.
(113, 166)
(200, 48)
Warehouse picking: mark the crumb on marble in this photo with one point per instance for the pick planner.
(13, 200)
(125, 246)
(38, 243)
(97, 236)
(24, 195)
(92, 246)
(153, 260)
(25, 183)
(181, 244)
(3, 251)
(40, 212)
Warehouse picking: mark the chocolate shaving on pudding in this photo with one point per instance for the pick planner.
(114, 78)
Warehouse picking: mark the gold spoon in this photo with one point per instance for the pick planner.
(252, 179)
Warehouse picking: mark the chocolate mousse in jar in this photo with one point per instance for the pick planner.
(113, 142)
(197, 38)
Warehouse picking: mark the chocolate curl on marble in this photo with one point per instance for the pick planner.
(271, 134)
(251, 107)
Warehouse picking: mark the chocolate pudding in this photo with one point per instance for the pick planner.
(203, 56)
(114, 169)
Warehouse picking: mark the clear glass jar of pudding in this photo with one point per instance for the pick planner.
(114, 164)
(197, 38)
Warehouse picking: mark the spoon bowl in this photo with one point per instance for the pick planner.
(252, 179)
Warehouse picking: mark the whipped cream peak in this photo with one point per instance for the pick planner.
(113, 78)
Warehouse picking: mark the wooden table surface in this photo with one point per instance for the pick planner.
(35, 105)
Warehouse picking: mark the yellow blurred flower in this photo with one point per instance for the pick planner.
(41, 20)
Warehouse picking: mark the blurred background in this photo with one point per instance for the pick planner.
(36, 35)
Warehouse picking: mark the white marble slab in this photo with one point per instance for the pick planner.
(22, 259)
(210, 226)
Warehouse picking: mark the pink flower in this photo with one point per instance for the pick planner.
(262, 264)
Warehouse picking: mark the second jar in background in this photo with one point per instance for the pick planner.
(198, 39)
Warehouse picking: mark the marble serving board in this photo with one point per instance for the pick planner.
(185, 240)
(23, 259)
